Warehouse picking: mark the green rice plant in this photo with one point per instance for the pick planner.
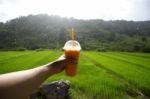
(92, 83)
(145, 55)
(138, 61)
(28, 61)
(136, 76)
(6, 55)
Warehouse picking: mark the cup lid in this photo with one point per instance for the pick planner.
(68, 45)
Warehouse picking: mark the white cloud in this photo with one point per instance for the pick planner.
(81, 9)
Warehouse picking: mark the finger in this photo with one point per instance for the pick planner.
(62, 57)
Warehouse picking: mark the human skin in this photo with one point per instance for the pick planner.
(21, 84)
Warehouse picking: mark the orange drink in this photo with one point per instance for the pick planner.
(72, 51)
(72, 57)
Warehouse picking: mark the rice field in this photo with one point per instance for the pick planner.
(101, 75)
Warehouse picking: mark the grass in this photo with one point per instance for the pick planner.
(140, 59)
(93, 82)
(101, 75)
(135, 75)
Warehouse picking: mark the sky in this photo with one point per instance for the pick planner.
(137, 10)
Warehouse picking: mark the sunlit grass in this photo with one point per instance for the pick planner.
(139, 59)
(135, 75)
(27, 60)
(91, 82)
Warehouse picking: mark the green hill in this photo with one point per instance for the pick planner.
(51, 32)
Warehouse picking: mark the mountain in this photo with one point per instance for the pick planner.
(51, 32)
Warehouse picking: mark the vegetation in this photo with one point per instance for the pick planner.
(128, 70)
(50, 32)
(101, 75)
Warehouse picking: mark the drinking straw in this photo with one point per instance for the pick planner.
(72, 37)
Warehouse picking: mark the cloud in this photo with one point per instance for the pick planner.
(8, 1)
(81, 9)
(2, 16)
(141, 9)
(1, 2)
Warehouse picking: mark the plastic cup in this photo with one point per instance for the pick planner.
(72, 52)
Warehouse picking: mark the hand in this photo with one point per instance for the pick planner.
(58, 65)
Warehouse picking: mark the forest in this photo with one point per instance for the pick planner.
(42, 31)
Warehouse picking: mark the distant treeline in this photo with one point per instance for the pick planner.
(51, 32)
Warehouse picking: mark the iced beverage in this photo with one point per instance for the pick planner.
(72, 55)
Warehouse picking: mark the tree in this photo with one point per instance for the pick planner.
(43, 31)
